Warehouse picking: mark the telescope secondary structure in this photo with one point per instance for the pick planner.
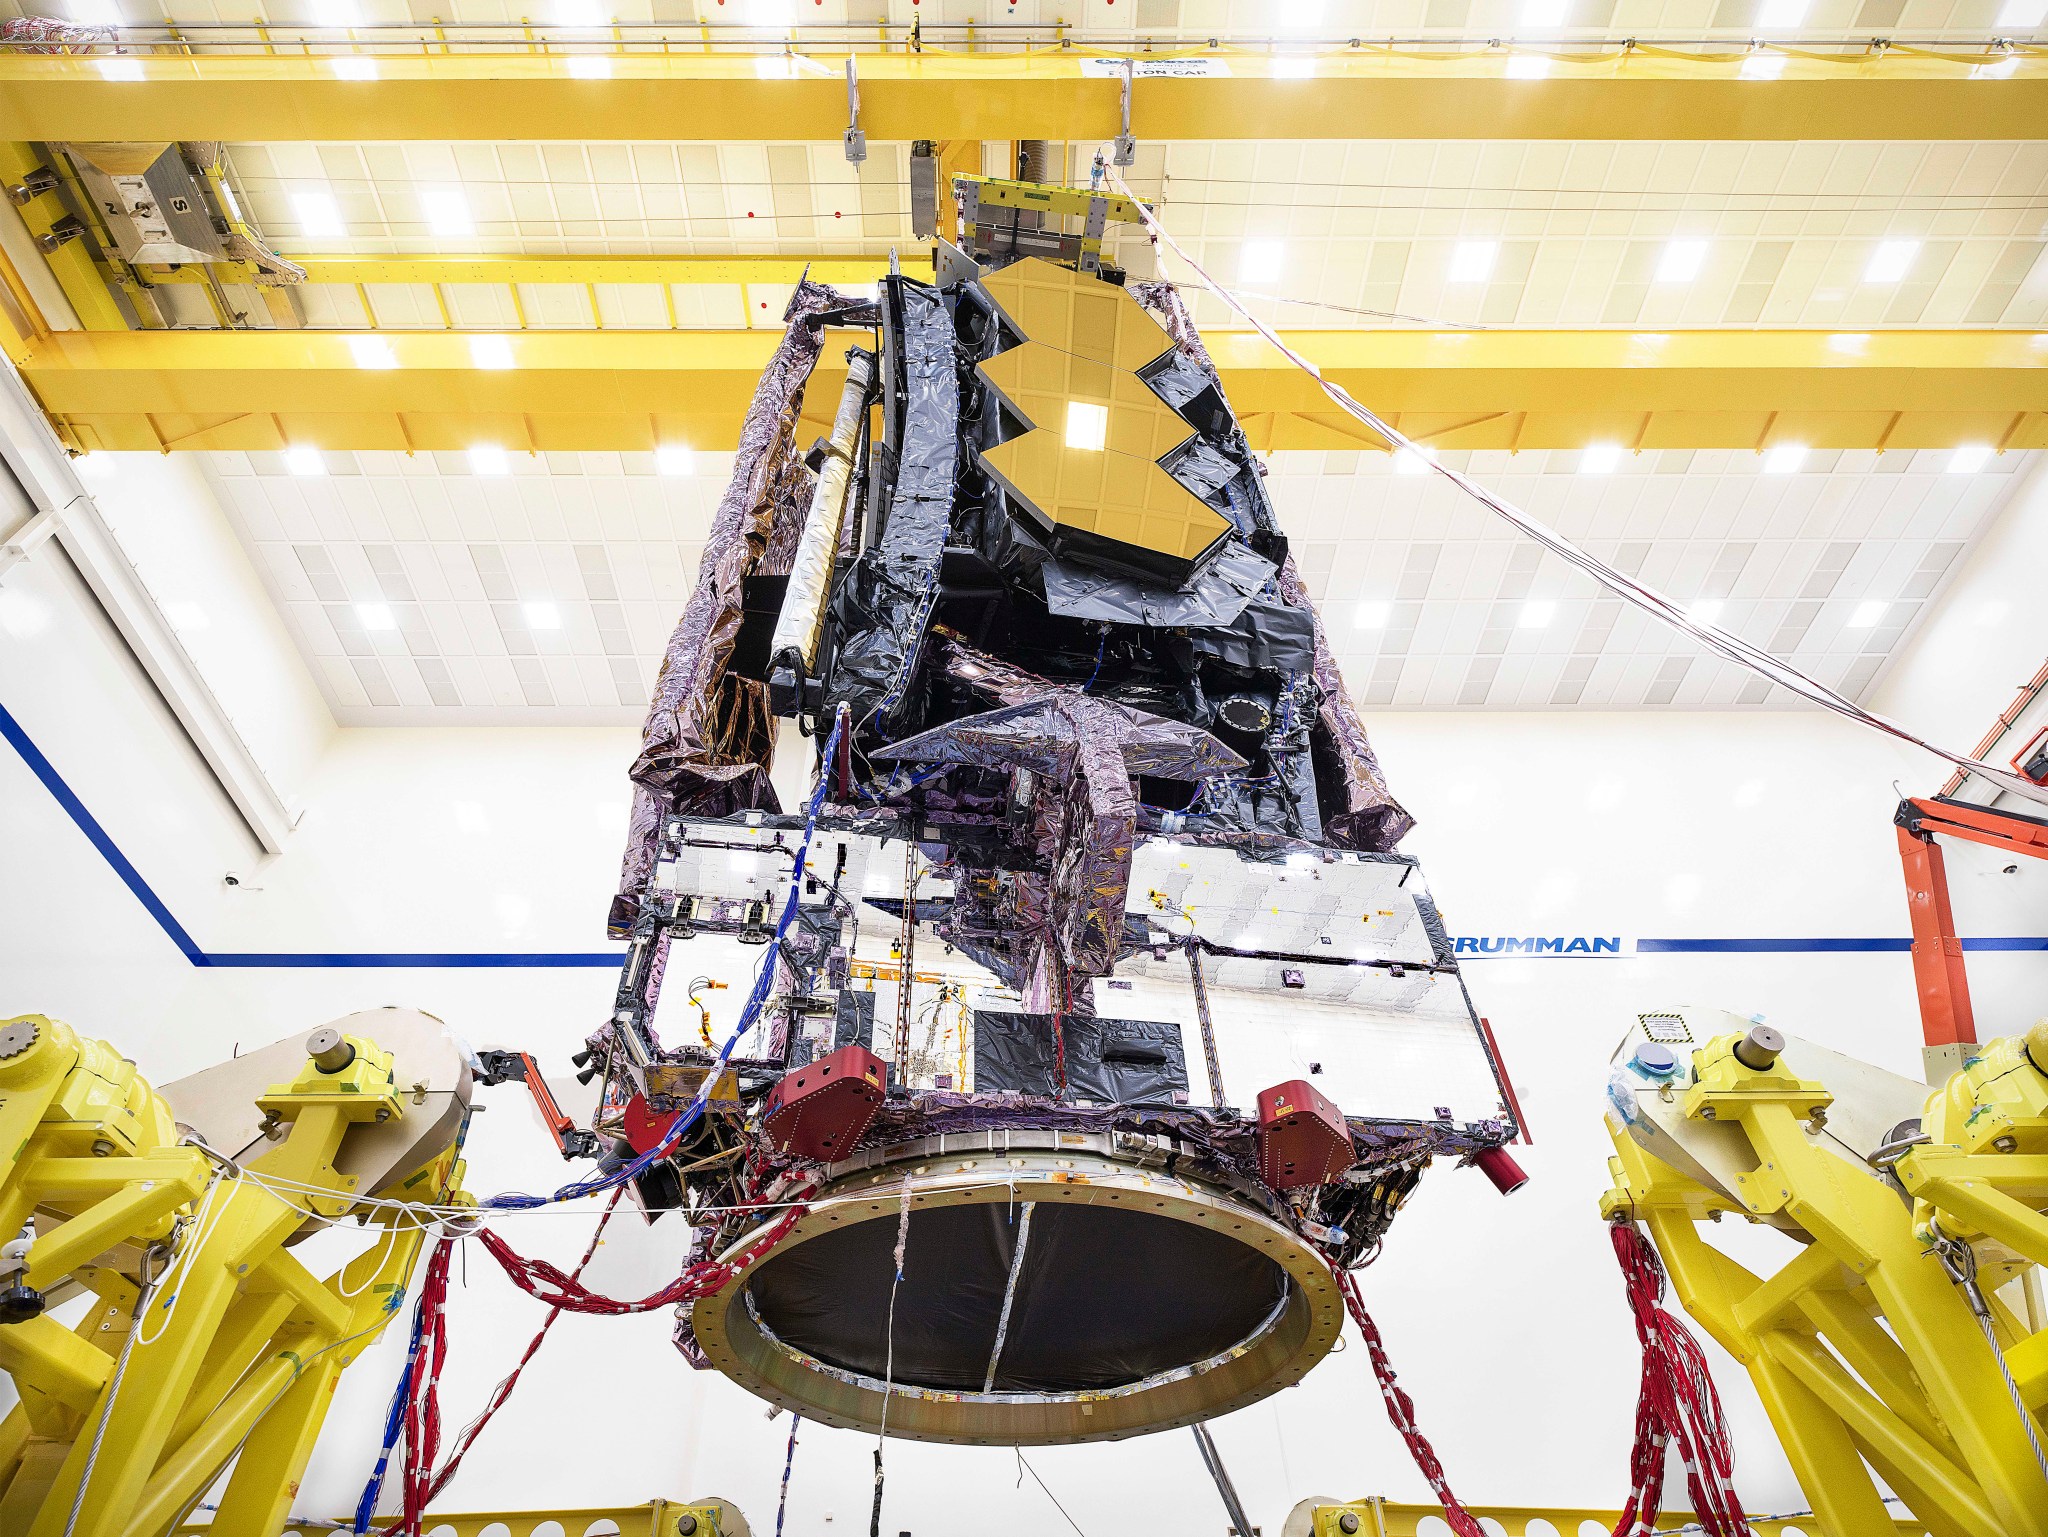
(1090, 801)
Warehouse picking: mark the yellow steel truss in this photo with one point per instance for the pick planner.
(655, 1518)
(1624, 92)
(209, 1337)
(1867, 1353)
(631, 389)
(1377, 1517)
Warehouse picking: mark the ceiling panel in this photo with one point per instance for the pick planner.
(421, 590)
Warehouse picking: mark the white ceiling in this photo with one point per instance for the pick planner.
(548, 593)
(1428, 598)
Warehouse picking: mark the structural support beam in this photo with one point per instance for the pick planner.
(1356, 93)
(607, 269)
(64, 514)
(627, 390)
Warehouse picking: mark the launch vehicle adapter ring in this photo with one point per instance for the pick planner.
(1251, 1307)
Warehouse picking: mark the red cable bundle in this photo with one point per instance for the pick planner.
(1401, 1411)
(537, 1278)
(504, 1388)
(423, 1405)
(1678, 1403)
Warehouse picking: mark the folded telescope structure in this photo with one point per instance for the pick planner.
(1093, 806)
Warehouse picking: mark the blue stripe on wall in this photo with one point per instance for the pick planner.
(52, 781)
(95, 834)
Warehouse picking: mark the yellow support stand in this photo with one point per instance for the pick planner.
(1375, 1516)
(1867, 1348)
(208, 1337)
(656, 1518)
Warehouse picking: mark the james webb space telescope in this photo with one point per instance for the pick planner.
(1090, 798)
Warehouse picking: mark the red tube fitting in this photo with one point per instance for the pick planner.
(1499, 1165)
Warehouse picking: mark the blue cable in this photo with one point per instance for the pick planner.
(764, 978)
(394, 1422)
(788, 1462)
(1100, 646)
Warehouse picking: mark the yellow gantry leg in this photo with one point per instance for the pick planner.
(236, 1347)
(1869, 1358)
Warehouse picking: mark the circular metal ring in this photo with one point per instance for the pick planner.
(1298, 1331)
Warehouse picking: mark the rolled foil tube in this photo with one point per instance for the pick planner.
(802, 620)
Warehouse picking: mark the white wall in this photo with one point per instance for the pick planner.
(1506, 1318)
(1984, 634)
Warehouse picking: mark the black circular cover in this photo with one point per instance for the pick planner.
(1106, 1296)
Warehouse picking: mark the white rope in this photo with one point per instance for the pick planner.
(1659, 605)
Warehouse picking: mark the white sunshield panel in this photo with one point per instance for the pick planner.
(1403, 1063)
(1343, 906)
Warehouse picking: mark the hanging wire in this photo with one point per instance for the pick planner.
(1661, 606)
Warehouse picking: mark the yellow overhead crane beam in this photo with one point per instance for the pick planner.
(629, 390)
(840, 270)
(1355, 93)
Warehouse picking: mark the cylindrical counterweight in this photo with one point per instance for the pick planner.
(802, 620)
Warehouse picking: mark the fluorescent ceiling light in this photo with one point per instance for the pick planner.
(1527, 66)
(1301, 13)
(372, 352)
(589, 66)
(1294, 66)
(1969, 458)
(488, 459)
(1781, 13)
(1544, 13)
(491, 351)
(1600, 459)
(187, 617)
(1414, 461)
(304, 459)
(447, 211)
(1867, 614)
(1261, 261)
(771, 13)
(375, 616)
(95, 13)
(318, 214)
(1706, 611)
(1763, 66)
(578, 13)
(674, 459)
(2022, 13)
(1784, 458)
(1087, 425)
(121, 69)
(1681, 261)
(353, 69)
(1536, 614)
(337, 13)
(1472, 261)
(1372, 615)
(1892, 260)
(541, 615)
